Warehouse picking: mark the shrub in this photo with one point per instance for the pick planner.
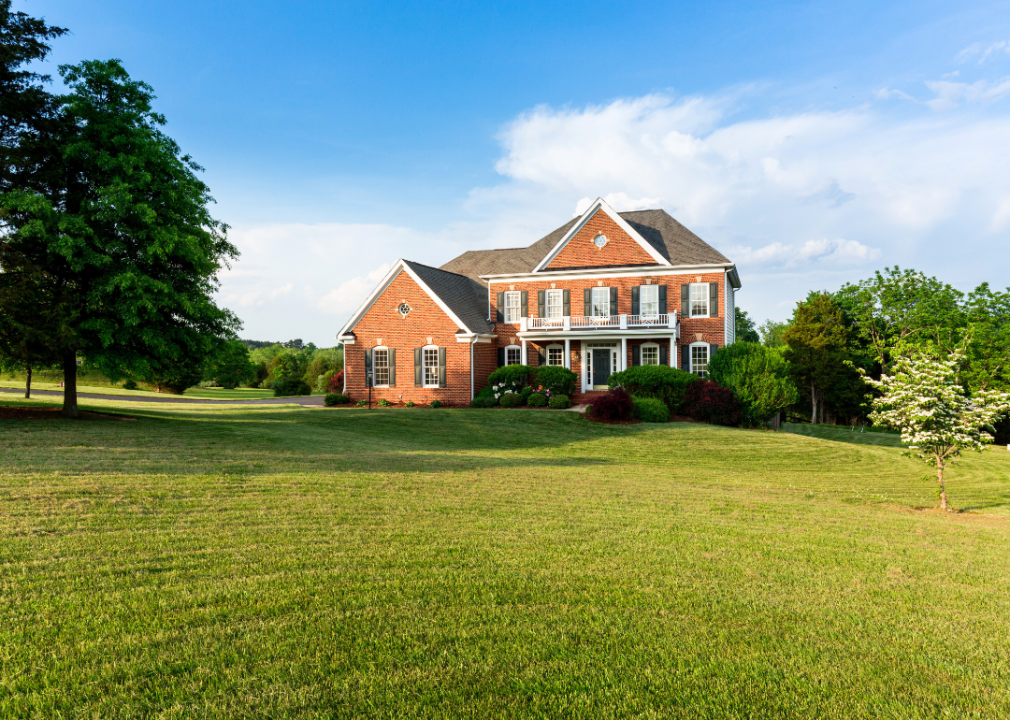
(613, 405)
(537, 399)
(362, 403)
(651, 410)
(656, 381)
(130, 384)
(487, 394)
(385, 403)
(289, 386)
(332, 399)
(435, 404)
(409, 403)
(511, 400)
(483, 402)
(710, 402)
(525, 394)
(510, 378)
(556, 379)
(758, 376)
(336, 383)
(560, 402)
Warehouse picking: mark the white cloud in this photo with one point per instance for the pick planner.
(838, 252)
(345, 299)
(950, 94)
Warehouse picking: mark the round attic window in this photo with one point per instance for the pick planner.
(600, 240)
(404, 309)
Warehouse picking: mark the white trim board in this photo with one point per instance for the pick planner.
(601, 205)
(628, 271)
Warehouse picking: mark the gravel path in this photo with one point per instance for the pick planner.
(304, 401)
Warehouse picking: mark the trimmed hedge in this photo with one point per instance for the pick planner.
(560, 402)
(651, 410)
(614, 405)
(483, 402)
(332, 399)
(537, 399)
(557, 379)
(511, 400)
(656, 381)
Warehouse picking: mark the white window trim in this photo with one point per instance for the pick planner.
(560, 295)
(380, 347)
(641, 301)
(690, 355)
(555, 346)
(518, 306)
(424, 366)
(708, 299)
(592, 300)
(641, 352)
(518, 349)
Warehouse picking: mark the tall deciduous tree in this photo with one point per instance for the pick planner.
(121, 235)
(759, 376)
(924, 400)
(771, 333)
(746, 330)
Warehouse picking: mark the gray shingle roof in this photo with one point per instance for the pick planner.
(464, 296)
(672, 240)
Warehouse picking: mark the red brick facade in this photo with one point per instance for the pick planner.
(620, 249)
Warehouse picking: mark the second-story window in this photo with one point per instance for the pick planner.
(601, 302)
(699, 299)
(649, 300)
(555, 301)
(513, 307)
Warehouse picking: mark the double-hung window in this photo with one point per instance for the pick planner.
(648, 298)
(555, 355)
(431, 367)
(380, 367)
(513, 355)
(699, 300)
(555, 302)
(601, 302)
(513, 306)
(650, 354)
(699, 360)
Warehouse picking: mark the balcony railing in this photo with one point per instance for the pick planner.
(665, 321)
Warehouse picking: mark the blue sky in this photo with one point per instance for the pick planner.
(809, 142)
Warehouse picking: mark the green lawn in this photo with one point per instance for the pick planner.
(197, 392)
(282, 562)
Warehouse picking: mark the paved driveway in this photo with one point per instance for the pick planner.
(304, 400)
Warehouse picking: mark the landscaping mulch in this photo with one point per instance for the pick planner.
(39, 413)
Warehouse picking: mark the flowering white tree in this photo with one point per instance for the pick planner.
(926, 403)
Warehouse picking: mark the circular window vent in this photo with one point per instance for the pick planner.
(600, 240)
(404, 309)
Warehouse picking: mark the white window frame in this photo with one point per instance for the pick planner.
(375, 366)
(650, 346)
(513, 306)
(519, 354)
(690, 357)
(561, 350)
(691, 299)
(651, 290)
(425, 366)
(559, 304)
(605, 292)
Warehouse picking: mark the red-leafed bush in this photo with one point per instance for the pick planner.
(614, 405)
(336, 384)
(712, 403)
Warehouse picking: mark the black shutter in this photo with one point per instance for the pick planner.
(711, 351)
(664, 355)
(713, 299)
(685, 358)
(441, 367)
(685, 300)
(392, 367)
(567, 303)
(369, 381)
(541, 357)
(636, 353)
(524, 304)
(501, 357)
(662, 299)
(613, 301)
(634, 302)
(501, 307)
(418, 368)
(541, 307)
(587, 308)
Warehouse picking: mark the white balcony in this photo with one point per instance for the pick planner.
(576, 323)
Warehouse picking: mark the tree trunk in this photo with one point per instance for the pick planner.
(28, 383)
(813, 403)
(943, 490)
(70, 386)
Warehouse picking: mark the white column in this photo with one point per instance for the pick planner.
(624, 352)
(524, 353)
(673, 351)
(568, 354)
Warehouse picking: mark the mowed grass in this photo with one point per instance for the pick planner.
(280, 562)
(194, 392)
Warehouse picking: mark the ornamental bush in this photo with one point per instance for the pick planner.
(613, 405)
(525, 394)
(289, 386)
(559, 402)
(758, 376)
(556, 379)
(385, 403)
(656, 381)
(332, 399)
(537, 399)
(709, 402)
(336, 383)
(510, 378)
(435, 404)
(650, 410)
(409, 403)
(483, 402)
(362, 403)
(511, 400)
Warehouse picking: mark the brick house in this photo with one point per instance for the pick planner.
(603, 292)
